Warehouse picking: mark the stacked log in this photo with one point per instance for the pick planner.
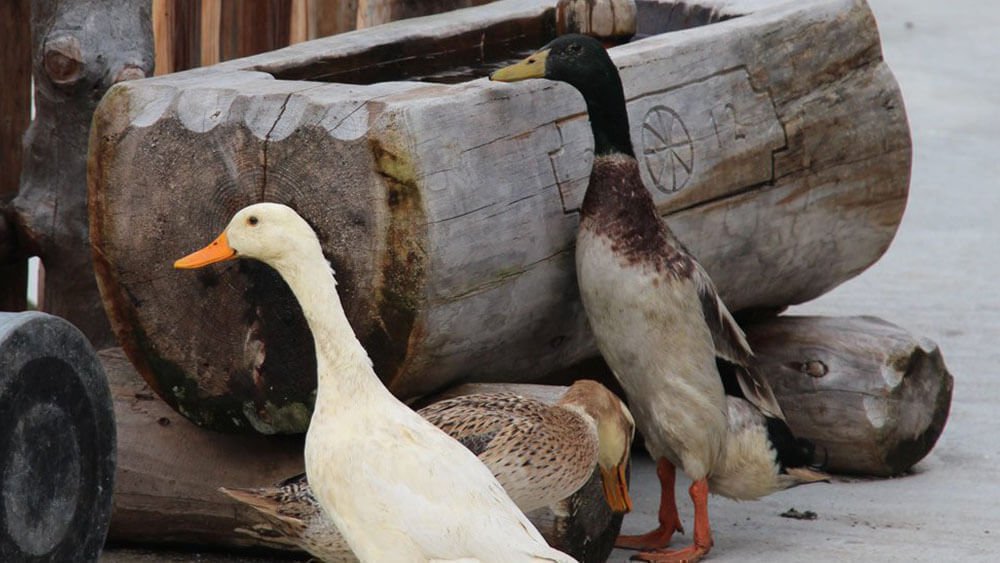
(449, 211)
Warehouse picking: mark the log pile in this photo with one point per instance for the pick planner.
(169, 472)
(449, 211)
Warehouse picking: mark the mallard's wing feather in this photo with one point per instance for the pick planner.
(731, 345)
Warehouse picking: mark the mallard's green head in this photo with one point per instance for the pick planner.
(583, 63)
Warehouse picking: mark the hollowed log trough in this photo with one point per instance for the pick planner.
(771, 134)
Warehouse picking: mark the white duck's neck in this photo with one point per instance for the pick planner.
(345, 375)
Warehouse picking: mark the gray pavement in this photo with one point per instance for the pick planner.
(937, 280)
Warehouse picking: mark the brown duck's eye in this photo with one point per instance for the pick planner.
(252, 220)
(531, 61)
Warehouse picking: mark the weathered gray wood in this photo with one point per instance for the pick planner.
(169, 471)
(872, 396)
(450, 211)
(80, 49)
(57, 442)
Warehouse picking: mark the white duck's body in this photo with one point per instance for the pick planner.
(396, 486)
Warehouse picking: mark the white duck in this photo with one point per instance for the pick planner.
(396, 486)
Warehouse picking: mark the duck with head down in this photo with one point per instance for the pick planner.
(395, 485)
(661, 326)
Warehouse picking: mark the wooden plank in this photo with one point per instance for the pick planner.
(331, 18)
(163, 32)
(211, 22)
(298, 25)
(455, 221)
(15, 114)
(872, 397)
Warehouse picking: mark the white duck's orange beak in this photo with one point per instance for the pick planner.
(218, 251)
(616, 488)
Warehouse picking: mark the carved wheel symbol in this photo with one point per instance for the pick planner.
(667, 149)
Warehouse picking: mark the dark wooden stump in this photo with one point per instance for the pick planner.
(57, 442)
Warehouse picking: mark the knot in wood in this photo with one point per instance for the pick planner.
(614, 19)
(63, 60)
(814, 368)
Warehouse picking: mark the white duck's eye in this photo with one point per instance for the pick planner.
(252, 220)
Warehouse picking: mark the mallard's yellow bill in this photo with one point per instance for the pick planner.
(616, 488)
(217, 251)
(531, 67)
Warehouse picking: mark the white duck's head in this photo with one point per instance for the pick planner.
(270, 232)
(615, 430)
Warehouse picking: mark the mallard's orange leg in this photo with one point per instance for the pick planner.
(702, 532)
(670, 522)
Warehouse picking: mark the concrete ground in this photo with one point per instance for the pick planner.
(939, 279)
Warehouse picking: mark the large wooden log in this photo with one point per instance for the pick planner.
(57, 442)
(868, 393)
(449, 211)
(80, 49)
(169, 472)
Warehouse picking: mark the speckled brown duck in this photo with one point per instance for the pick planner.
(540, 453)
(661, 326)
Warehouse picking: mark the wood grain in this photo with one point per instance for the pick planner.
(449, 211)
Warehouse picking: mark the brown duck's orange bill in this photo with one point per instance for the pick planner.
(616, 488)
(217, 251)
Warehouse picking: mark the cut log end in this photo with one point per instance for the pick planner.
(871, 395)
(57, 449)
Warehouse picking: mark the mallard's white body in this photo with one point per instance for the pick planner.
(651, 330)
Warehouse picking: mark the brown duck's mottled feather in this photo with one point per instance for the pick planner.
(523, 441)
(618, 206)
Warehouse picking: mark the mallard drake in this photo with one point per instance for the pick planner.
(661, 326)
(540, 453)
(396, 486)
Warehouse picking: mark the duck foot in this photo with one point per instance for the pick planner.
(670, 521)
(702, 532)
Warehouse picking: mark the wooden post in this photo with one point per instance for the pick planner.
(15, 114)
(80, 50)
(57, 450)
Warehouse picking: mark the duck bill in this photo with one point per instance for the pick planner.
(616, 488)
(531, 67)
(218, 251)
(804, 475)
